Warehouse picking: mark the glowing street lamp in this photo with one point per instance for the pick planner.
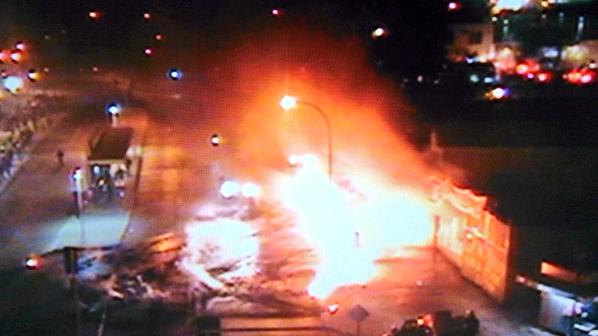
(159, 37)
(148, 51)
(175, 74)
(147, 15)
(114, 109)
(288, 103)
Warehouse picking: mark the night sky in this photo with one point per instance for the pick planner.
(415, 45)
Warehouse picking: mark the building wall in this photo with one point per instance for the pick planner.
(472, 39)
(473, 239)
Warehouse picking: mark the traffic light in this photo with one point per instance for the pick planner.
(33, 262)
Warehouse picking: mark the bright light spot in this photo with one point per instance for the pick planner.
(77, 174)
(113, 108)
(159, 37)
(453, 6)
(250, 190)
(514, 5)
(95, 69)
(288, 102)
(147, 16)
(229, 189)
(474, 78)
(586, 78)
(522, 69)
(378, 32)
(94, 14)
(275, 12)
(175, 74)
(349, 228)
(219, 251)
(498, 93)
(148, 51)
(543, 77)
(215, 140)
(333, 308)
(20, 45)
(32, 262)
(13, 84)
(33, 75)
(16, 56)
(293, 159)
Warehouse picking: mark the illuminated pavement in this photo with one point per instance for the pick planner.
(35, 210)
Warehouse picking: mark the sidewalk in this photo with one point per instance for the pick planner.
(36, 206)
(106, 224)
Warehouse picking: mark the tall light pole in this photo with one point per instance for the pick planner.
(289, 102)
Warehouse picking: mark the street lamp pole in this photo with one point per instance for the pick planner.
(288, 102)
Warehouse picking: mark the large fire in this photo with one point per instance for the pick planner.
(374, 204)
(349, 227)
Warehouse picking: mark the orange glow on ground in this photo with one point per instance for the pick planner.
(349, 229)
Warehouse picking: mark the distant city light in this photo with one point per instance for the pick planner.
(276, 12)
(147, 15)
(95, 68)
(148, 51)
(94, 15)
(13, 84)
(20, 45)
(498, 93)
(159, 37)
(378, 32)
(454, 6)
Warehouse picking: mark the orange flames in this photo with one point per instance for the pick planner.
(375, 204)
